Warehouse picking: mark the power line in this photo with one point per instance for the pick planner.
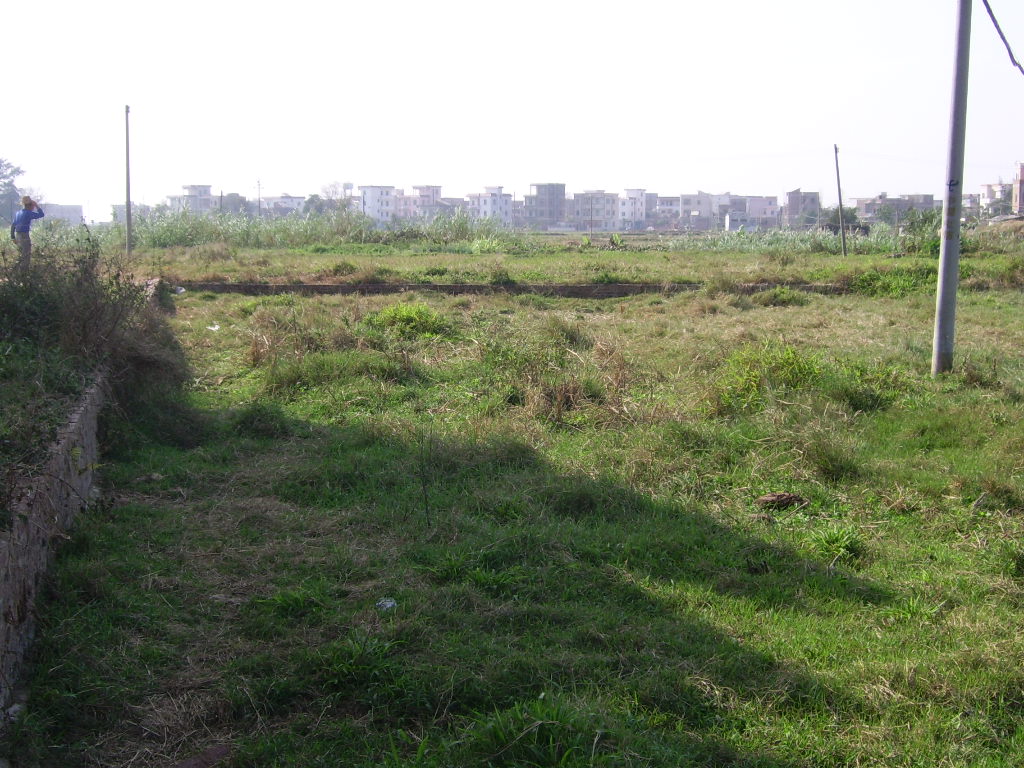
(1002, 37)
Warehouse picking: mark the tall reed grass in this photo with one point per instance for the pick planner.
(461, 233)
(186, 229)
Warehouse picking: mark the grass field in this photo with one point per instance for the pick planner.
(524, 531)
(373, 263)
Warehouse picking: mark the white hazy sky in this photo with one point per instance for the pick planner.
(744, 96)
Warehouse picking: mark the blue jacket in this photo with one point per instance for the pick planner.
(23, 220)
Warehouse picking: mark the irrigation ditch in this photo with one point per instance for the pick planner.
(571, 291)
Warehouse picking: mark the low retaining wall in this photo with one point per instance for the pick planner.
(43, 508)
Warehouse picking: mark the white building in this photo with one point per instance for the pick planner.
(195, 198)
(379, 203)
(425, 203)
(283, 205)
(138, 209)
(72, 214)
(996, 196)
(492, 203)
(633, 209)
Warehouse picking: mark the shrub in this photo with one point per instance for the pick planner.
(839, 543)
(410, 321)
(751, 372)
(570, 333)
(752, 375)
(541, 733)
(894, 282)
(323, 368)
(782, 296)
(70, 314)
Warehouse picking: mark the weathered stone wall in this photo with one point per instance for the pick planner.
(43, 509)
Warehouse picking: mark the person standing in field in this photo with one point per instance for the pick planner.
(21, 230)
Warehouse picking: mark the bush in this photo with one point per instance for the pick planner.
(751, 376)
(782, 296)
(409, 321)
(70, 314)
(895, 282)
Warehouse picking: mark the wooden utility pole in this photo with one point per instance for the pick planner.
(127, 188)
(949, 248)
(839, 188)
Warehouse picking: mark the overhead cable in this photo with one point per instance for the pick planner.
(1002, 37)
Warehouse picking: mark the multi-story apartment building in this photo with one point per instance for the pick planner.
(996, 199)
(701, 211)
(872, 209)
(492, 203)
(545, 205)
(593, 210)
(138, 209)
(282, 205)
(72, 214)
(379, 203)
(195, 198)
(971, 206)
(1017, 194)
(633, 209)
(664, 212)
(801, 210)
(749, 212)
(425, 203)
(763, 210)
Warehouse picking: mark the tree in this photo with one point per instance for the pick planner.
(830, 217)
(234, 203)
(10, 198)
(315, 204)
(888, 214)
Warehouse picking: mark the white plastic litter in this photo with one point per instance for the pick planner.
(386, 604)
(179, 290)
(214, 327)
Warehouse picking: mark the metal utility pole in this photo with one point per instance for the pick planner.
(127, 188)
(259, 200)
(949, 249)
(839, 188)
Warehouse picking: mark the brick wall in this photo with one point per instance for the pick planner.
(43, 509)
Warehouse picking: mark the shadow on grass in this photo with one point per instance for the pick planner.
(540, 618)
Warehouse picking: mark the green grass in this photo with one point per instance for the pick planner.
(62, 320)
(558, 497)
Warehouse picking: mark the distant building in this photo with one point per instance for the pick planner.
(453, 204)
(801, 210)
(750, 213)
(702, 211)
(632, 209)
(195, 198)
(892, 209)
(545, 206)
(425, 203)
(282, 205)
(996, 199)
(379, 203)
(492, 203)
(138, 209)
(971, 206)
(593, 211)
(1017, 194)
(72, 214)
